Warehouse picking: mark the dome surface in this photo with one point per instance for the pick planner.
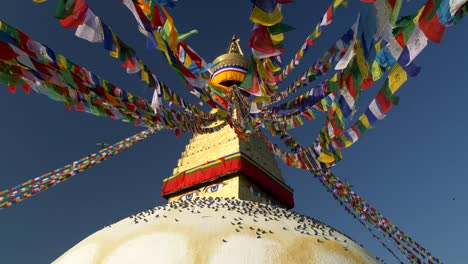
(217, 230)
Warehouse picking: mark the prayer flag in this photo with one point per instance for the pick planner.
(91, 29)
(432, 27)
(77, 17)
(327, 17)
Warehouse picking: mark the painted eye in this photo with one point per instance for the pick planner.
(215, 187)
(188, 196)
(254, 191)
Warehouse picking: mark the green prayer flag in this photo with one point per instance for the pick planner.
(69, 79)
(361, 127)
(395, 12)
(280, 28)
(388, 93)
(64, 8)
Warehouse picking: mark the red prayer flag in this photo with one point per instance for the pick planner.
(11, 88)
(327, 18)
(383, 101)
(77, 17)
(400, 38)
(391, 3)
(6, 52)
(307, 115)
(261, 40)
(432, 28)
(26, 87)
(367, 83)
(158, 20)
(79, 106)
(129, 64)
(194, 56)
(350, 86)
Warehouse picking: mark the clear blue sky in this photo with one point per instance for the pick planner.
(410, 166)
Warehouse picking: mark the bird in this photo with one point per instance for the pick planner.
(102, 145)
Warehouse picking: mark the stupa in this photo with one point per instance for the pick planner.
(227, 203)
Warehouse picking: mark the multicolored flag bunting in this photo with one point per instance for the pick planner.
(39, 184)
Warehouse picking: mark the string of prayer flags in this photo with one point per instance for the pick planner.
(333, 55)
(358, 206)
(385, 97)
(326, 20)
(39, 184)
(52, 74)
(153, 23)
(93, 29)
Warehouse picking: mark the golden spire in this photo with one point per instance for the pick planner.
(234, 46)
(232, 66)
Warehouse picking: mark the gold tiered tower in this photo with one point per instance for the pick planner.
(221, 164)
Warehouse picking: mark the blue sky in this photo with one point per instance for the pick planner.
(411, 167)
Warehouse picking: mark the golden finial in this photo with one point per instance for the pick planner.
(234, 46)
(232, 66)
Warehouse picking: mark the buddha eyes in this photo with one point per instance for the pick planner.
(215, 187)
(209, 189)
(189, 196)
(254, 191)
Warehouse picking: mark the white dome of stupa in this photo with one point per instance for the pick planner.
(217, 230)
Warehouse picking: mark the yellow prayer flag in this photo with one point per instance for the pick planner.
(326, 157)
(396, 78)
(337, 3)
(259, 99)
(316, 32)
(365, 121)
(39, 1)
(334, 78)
(339, 114)
(267, 19)
(277, 38)
(346, 141)
(416, 18)
(376, 71)
(145, 7)
(378, 46)
(272, 66)
(62, 61)
(144, 76)
(262, 71)
(361, 61)
(172, 31)
(161, 45)
(114, 53)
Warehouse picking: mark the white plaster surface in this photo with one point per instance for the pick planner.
(217, 230)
